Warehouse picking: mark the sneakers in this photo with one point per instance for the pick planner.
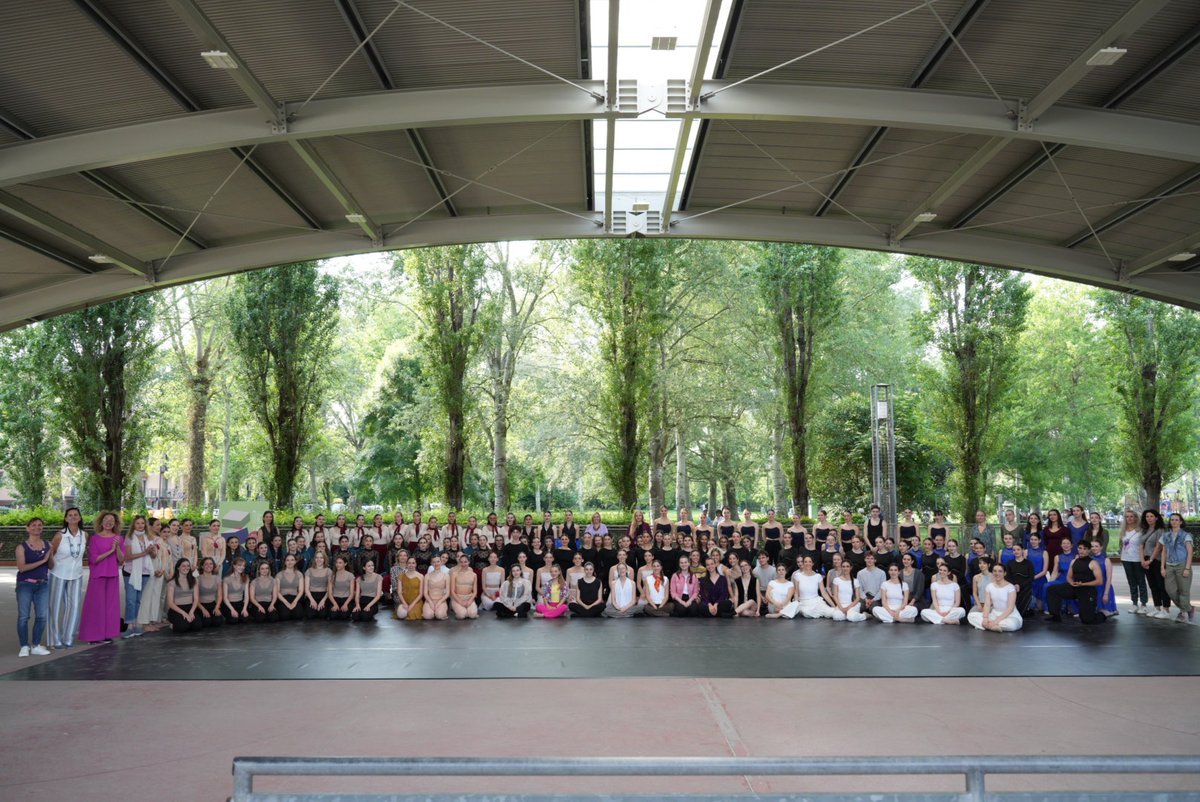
(24, 652)
(1141, 609)
(39, 650)
(1133, 608)
(1160, 614)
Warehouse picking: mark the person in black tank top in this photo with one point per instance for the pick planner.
(1083, 582)
(876, 527)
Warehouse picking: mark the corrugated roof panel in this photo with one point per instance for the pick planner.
(106, 217)
(1144, 46)
(23, 269)
(292, 47)
(420, 53)
(281, 161)
(907, 166)
(62, 74)
(1174, 93)
(1162, 224)
(732, 169)
(774, 31)
(1021, 47)
(1013, 155)
(389, 189)
(551, 171)
(245, 207)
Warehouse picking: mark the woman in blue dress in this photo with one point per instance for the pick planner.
(1033, 526)
(1106, 598)
(1077, 525)
(1060, 571)
(1037, 555)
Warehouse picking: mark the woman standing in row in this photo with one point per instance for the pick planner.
(34, 558)
(101, 615)
(1152, 532)
(66, 580)
(138, 568)
(1131, 561)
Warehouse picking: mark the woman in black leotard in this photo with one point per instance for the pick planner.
(772, 530)
(748, 530)
(822, 528)
(876, 526)
(908, 531)
(848, 530)
(937, 529)
(726, 525)
(588, 595)
(663, 525)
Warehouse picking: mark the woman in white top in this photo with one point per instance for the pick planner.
(623, 596)
(491, 578)
(945, 599)
(656, 591)
(66, 580)
(1131, 561)
(842, 594)
(893, 600)
(781, 595)
(808, 591)
(151, 610)
(999, 606)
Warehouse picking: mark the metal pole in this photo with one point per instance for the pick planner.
(883, 452)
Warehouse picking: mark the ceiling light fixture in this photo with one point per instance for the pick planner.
(1182, 256)
(926, 217)
(356, 218)
(102, 259)
(219, 60)
(1105, 56)
(663, 42)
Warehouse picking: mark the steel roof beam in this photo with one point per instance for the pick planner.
(945, 45)
(1138, 15)
(1155, 258)
(968, 246)
(383, 77)
(1160, 64)
(708, 29)
(23, 210)
(610, 92)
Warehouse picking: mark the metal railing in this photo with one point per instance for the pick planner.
(972, 768)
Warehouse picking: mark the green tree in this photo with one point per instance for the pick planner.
(449, 285)
(800, 289)
(620, 283)
(281, 326)
(100, 369)
(1155, 352)
(390, 465)
(974, 318)
(26, 447)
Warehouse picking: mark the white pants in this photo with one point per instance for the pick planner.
(1010, 624)
(906, 613)
(931, 615)
(790, 610)
(65, 598)
(855, 614)
(815, 608)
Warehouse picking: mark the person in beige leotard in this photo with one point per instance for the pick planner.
(342, 592)
(370, 589)
(182, 599)
(409, 601)
(492, 578)
(435, 591)
(316, 586)
(263, 595)
(208, 590)
(212, 544)
(463, 587)
(233, 595)
(290, 584)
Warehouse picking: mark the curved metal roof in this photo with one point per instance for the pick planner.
(964, 129)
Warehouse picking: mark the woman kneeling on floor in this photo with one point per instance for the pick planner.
(182, 599)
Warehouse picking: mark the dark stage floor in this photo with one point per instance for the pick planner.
(488, 648)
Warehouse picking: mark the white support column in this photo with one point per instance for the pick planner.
(610, 92)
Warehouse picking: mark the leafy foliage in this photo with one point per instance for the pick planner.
(281, 326)
(26, 447)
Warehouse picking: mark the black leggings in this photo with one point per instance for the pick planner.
(215, 619)
(522, 611)
(367, 609)
(1158, 585)
(1085, 596)
(237, 605)
(724, 610)
(263, 616)
(694, 610)
(579, 611)
(323, 612)
(295, 614)
(180, 624)
(340, 615)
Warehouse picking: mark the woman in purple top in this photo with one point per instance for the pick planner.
(101, 617)
(596, 528)
(34, 557)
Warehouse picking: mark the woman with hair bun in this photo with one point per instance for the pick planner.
(233, 593)
(182, 599)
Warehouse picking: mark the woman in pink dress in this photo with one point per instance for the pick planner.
(101, 617)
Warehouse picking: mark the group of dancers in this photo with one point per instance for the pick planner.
(425, 570)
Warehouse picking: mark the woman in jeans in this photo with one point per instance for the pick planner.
(1152, 532)
(1131, 560)
(34, 557)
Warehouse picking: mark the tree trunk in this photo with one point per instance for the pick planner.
(712, 497)
(456, 448)
(683, 496)
(729, 486)
(500, 450)
(223, 491)
(312, 482)
(658, 457)
(778, 480)
(200, 390)
(112, 414)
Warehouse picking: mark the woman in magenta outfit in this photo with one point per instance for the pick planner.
(101, 618)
